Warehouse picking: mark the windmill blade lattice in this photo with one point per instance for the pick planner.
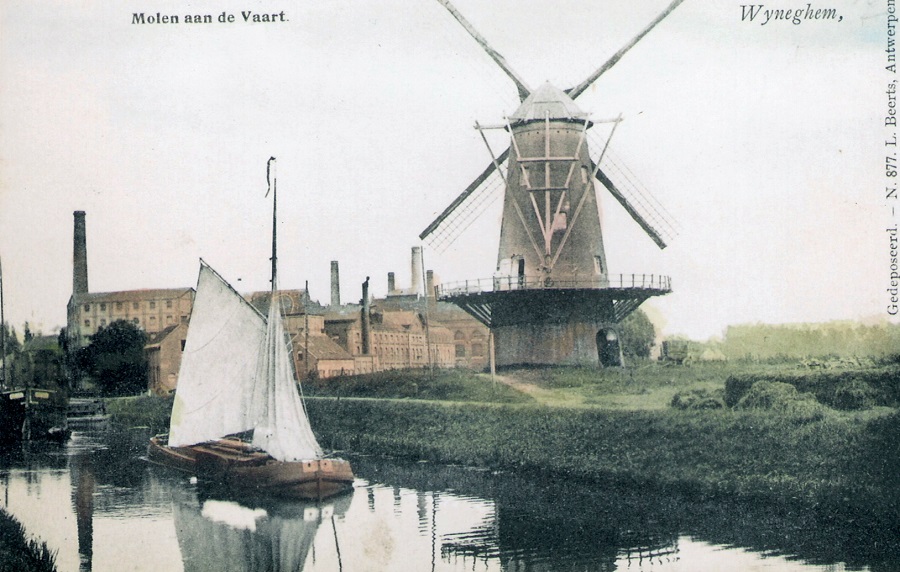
(645, 205)
(444, 231)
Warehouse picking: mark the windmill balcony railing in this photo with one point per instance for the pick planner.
(510, 283)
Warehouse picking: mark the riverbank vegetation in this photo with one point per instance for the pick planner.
(141, 411)
(782, 431)
(18, 552)
(736, 453)
(446, 384)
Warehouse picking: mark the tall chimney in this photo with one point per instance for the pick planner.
(430, 296)
(391, 283)
(416, 268)
(365, 317)
(429, 284)
(79, 258)
(335, 284)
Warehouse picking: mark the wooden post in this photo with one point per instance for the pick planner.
(493, 361)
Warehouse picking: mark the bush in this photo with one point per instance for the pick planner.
(854, 394)
(698, 399)
(736, 386)
(782, 398)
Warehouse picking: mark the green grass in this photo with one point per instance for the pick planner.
(446, 384)
(610, 425)
(141, 411)
(746, 454)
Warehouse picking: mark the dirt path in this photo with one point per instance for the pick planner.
(540, 394)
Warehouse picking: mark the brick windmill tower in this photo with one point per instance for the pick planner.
(552, 299)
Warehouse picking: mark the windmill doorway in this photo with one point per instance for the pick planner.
(608, 350)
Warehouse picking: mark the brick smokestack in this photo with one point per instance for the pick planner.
(366, 346)
(335, 284)
(429, 284)
(416, 267)
(391, 283)
(430, 295)
(79, 258)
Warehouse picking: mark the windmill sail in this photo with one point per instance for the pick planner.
(642, 206)
(235, 377)
(548, 103)
(467, 207)
(581, 87)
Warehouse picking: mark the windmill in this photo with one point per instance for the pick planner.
(552, 299)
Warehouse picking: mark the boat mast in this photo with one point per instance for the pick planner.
(271, 179)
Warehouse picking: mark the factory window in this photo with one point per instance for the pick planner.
(598, 265)
(102, 307)
(118, 305)
(170, 320)
(184, 319)
(477, 350)
(87, 323)
(87, 307)
(102, 323)
(460, 350)
(168, 303)
(459, 335)
(136, 305)
(153, 305)
(153, 319)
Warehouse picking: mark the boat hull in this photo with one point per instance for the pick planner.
(236, 466)
(33, 414)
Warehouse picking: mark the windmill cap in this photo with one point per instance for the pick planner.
(548, 100)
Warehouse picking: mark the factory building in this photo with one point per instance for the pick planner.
(163, 351)
(406, 329)
(152, 310)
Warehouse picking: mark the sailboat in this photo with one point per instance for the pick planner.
(236, 378)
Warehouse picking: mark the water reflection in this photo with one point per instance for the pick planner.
(101, 507)
(216, 534)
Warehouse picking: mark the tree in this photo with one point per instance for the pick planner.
(115, 358)
(637, 335)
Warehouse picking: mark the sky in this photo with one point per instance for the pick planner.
(765, 143)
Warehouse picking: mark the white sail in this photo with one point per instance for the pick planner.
(221, 356)
(282, 429)
(236, 375)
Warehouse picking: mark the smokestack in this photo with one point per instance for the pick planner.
(416, 268)
(365, 317)
(430, 294)
(429, 284)
(335, 284)
(79, 258)
(391, 283)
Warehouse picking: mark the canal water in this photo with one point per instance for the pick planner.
(100, 506)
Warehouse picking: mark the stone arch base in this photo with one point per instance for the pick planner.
(569, 343)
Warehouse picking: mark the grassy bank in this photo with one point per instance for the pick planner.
(612, 425)
(141, 411)
(443, 384)
(735, 453)
(18, 553)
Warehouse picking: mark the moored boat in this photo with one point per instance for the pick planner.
(32, 413)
